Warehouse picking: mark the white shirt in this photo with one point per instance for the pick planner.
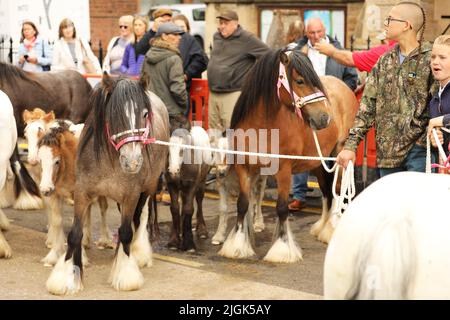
(318, 60)
(441, 89)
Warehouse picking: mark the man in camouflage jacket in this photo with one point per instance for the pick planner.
(395, 100)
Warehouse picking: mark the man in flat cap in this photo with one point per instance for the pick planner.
(160, 16)
(234, 52)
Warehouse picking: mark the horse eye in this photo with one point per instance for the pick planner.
(57, 162)
(299, 81)
(145, 114)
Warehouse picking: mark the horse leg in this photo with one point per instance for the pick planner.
(66, 276)
(5, 249)
(6, 185)
(284, 248)
(258, 194)
(237, 245)
(105, 241)
(323, 229)
(125, 273)
(140, 247)
(220, 235)
(174, 241)
(153, 219)
(187, 210)
(87, 228)
(55, 205)
(201, 229)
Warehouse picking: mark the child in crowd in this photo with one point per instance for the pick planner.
(440, 103)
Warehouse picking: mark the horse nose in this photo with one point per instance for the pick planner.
(47, 191)
(320, 122)
(32, 161)
(133, 164)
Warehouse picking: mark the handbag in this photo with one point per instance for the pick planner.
(87, 63)
(46, 67)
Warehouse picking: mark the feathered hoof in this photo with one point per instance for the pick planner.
(28, 202)
(51, 259)
(284, 252)
(65, 278)
(125, 274)
(316, 228)
(237, 246)
(5, 249)
(218, 239)
(327, 233)
(259, 227)
(103, 244)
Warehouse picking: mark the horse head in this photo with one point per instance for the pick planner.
(50, 156)
(124, 112)
(303, 89)
(177, 154)
(37, 122)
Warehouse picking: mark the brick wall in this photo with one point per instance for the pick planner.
(104, 15)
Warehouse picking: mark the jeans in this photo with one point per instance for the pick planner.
(300, 186)
(415, 161)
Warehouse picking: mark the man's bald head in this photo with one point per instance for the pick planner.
(315, 30)
(412, 13)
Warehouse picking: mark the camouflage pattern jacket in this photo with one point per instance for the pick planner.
(395, 100)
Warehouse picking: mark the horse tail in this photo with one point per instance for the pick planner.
(25, 188)
(385, 262)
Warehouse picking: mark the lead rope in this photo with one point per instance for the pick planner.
(348, 190)
(440, 149)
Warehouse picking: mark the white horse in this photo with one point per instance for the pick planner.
(228, 186)
(27, 197)
(393, 241)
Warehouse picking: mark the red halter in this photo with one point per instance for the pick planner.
(133, 136)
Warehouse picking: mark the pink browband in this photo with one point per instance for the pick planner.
(297, 101)
(132, 138)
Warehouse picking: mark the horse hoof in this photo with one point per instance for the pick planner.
(104, 244)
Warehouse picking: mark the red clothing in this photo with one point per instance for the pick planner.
(365, 60)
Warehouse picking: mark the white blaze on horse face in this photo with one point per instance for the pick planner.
(32, 132)
(175, 155)
(131, 158)
(49, 164)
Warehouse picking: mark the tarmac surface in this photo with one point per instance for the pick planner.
(175, 274)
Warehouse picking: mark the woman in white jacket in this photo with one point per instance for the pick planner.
(72, 53)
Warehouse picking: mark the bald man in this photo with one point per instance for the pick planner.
(395, 97)
(323, 65)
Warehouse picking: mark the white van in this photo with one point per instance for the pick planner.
(194, 12)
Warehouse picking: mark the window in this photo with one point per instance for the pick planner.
(275, 22)
(198, 14)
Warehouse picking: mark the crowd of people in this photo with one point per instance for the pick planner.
(407, 84)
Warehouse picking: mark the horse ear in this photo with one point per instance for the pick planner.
(107, 82)
(26, 116)
(49, 117)
(144, 81)
(284, 58)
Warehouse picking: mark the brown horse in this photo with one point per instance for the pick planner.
(57, 149)
(116, 160)
(302, 103)
(64, 92)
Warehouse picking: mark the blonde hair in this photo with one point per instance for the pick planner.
(295, 31)
(144, 19)
(443, 40)
(128, 19)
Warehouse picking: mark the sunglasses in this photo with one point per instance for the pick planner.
(123, 27)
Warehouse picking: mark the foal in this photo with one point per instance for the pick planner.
(186, 178)
(56, 152)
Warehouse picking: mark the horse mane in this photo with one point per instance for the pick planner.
(11, 74)
(51, 138)
(261, 83)
(107, 106)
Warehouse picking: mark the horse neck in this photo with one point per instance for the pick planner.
(68, 152)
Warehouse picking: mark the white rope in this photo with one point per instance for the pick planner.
(440, 149)
(347, 192)
(243, 153)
